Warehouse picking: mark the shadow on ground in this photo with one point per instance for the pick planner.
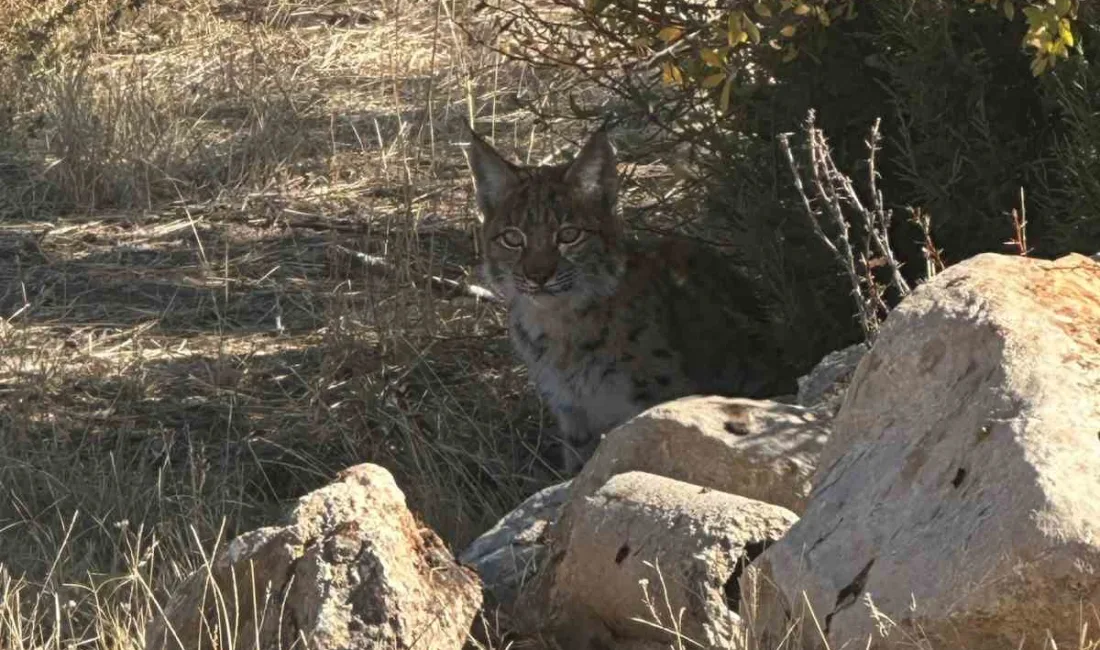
(143, 383)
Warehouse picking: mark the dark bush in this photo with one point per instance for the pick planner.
(967, 123)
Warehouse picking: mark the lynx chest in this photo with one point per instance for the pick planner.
(592, 368)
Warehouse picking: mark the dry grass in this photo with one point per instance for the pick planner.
(235, 243)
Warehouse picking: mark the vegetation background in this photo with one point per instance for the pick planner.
(237, 238)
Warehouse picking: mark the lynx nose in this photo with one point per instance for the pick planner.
(538, 269)
(540, 276)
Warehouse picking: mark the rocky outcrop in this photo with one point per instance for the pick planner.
(649, 557)
(958, 498)
(351, 569)
(757, 449)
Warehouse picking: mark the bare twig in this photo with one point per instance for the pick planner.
(837, 192)
(380, 263)
(933, 256)
(1019, 228)
(841, 248)
(878, 219)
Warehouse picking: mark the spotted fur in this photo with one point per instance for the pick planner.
(607, 329)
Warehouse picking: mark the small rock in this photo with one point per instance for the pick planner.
(957, 501)
(825, 385)
(352, 569)
(648, 554)
(508, 554)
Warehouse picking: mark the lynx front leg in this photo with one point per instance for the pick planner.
(577, 441)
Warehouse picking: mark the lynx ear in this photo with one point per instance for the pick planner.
(592, 174)
(494, 177)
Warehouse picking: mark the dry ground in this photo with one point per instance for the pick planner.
(235, 248)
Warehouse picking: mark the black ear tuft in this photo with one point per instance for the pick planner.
(494, 177)
(592, 174)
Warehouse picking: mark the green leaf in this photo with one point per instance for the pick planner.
(724, 100)
(670, 33)
(1039, 65)
(753, 31)
(1065, 32)
(735, 34)
(712, 81)
(1009, 8)
(671, 74)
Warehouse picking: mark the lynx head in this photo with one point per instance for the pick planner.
(549, 231)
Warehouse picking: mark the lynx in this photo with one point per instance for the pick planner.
(608, 328)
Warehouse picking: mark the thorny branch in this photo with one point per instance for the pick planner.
(933, 257)
(841, 248)
(878, 218)
(836, 192)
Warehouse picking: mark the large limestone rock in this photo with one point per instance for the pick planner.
(959, 492)
(648, 555)
(509, 553)
(351, 570)
(757, 449)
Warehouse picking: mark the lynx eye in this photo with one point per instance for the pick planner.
(569, 235)
(512, 238)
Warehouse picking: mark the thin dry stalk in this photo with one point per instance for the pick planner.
(662, 615)
(933, 256)
(1019, 229)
